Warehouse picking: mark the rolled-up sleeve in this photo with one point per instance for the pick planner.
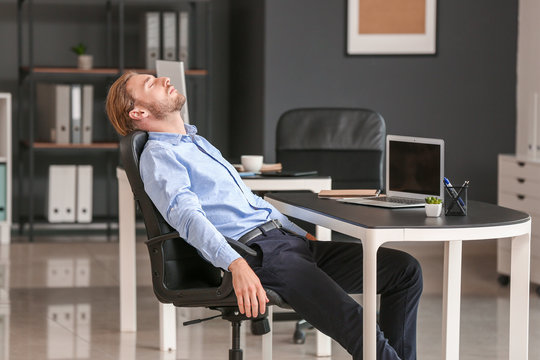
(167, 183)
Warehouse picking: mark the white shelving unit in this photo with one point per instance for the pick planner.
(5, 163)
(5, 307)
(519, 173)
(528, 81)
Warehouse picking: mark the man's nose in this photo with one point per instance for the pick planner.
(166, 81)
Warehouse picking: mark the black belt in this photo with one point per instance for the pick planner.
(259, 230)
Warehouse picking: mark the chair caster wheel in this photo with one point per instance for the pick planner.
(260, 326)
(504, 280)
(299, 337)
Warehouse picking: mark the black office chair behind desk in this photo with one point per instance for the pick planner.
(344, 143)
(179, 275)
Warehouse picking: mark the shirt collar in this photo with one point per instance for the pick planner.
(173, 138)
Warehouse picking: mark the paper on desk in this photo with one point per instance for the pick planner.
(348, 193)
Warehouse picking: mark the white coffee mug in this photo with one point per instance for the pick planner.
(252, 163)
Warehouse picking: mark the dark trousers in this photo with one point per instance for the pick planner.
(315, 278)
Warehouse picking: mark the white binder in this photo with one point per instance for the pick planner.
(183, 29)
(151, 38)
(61, 194)
(76, 113)
(84, 193)
(53, 109)
(169, 35)
(87, 113)
(174, 70)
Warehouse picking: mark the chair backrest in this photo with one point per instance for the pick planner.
(183, 268)
(346, 144)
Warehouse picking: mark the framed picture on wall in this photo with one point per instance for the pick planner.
(387, 27)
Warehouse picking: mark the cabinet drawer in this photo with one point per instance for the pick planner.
(522, 169)
(527, 204)
(519, 185)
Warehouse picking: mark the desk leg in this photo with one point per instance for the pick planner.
(126, 236)
(324, 342)
(451, 299)
(167, 327)
(519, 297)
(370, 298)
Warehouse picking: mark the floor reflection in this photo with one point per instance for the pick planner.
(61, 301)
(68, 331)
(71, 272)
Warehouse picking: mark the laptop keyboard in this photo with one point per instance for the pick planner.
(398, 200)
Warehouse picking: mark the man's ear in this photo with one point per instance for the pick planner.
(138, 113)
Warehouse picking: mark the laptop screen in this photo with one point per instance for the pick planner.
(414, 166)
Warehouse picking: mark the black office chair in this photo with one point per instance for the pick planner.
(346, 144)
(179, 275)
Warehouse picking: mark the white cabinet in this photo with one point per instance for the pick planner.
(519, 188)
(519, 175)
(5, 167)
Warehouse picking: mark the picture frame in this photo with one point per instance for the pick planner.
(391, 27)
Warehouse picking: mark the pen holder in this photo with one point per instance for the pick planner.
(455, 200)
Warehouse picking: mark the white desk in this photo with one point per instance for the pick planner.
(376, 226)
(167, 312)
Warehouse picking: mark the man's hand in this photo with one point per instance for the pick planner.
(247, 286)
(310, 237)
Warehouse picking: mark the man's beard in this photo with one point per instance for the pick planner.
(161, 110)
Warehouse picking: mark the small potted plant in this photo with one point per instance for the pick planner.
(433, 206)
(84, 61)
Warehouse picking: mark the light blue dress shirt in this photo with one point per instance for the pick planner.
(201, 195)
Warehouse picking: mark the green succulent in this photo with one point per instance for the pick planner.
(433, 200)
(79, 49)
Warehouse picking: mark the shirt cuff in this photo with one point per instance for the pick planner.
(226, 256)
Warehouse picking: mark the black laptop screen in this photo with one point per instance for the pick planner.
(414, 167)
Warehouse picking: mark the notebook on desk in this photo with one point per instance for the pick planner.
(414, 171)
(289, 173)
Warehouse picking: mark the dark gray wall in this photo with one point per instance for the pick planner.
(464, 94)
(247, 77)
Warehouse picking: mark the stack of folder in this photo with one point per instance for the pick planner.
(166, 37)
(65, 113)
(70, 194)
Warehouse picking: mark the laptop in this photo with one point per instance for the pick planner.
(414, 171)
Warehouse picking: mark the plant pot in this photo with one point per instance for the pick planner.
(433, 210)
(84, 62)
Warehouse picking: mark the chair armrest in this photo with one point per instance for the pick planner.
(241, 248)
(161, 238)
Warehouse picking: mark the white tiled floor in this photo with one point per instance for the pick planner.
(62, 302)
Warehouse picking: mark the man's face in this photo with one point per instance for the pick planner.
(157, 95)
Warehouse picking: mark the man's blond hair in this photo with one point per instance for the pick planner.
(119, 103)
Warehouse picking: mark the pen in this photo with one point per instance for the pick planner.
(454, 193)
(378, 192)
